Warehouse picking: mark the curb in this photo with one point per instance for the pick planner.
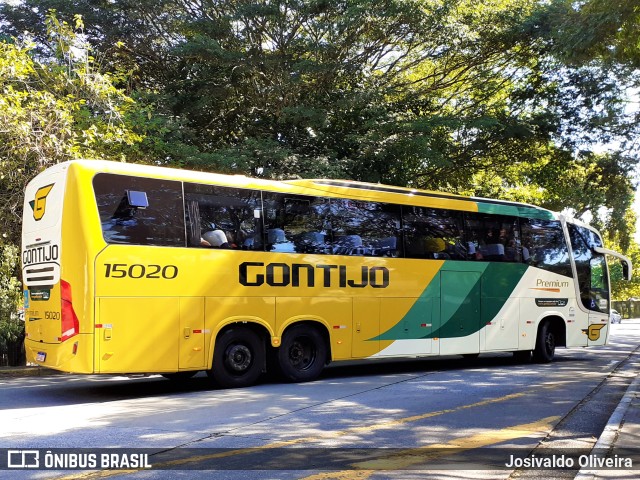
(27, 372)
(610, 433)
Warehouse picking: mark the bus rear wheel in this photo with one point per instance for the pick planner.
(302, 354)
(238, 358)
(545, 344)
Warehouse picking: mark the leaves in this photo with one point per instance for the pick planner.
(51, 111)
(10, 295)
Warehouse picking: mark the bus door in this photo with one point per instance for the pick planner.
(598, 329)
(500, 308)
(593, 282)
(460, 312)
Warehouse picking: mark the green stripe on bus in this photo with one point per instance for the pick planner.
(426, 309)
(489, 294)
(515, 210)
(459, 301)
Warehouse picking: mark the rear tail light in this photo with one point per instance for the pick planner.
(70, 323)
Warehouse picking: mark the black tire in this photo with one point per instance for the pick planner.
(545, 344)
(179, 376)
(302, 354)
(238, 358)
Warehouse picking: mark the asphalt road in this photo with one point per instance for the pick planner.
(438, 418)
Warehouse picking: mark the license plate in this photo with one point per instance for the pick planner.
(40, 357)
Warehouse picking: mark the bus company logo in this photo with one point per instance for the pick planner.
(255, 274)
(593, 332)
(39, 203)
(23, 459)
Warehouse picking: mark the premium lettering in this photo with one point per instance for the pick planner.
(255, 274)
(551, 283)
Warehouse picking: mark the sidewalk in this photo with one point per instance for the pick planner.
(621, 434)
(27, 371)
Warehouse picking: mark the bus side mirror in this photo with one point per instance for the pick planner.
(626, 274)
(626, 263)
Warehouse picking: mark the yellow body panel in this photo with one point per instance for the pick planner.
(192, 334)
(222, 311)
(138, 334)
(334, 313)
(366, 325)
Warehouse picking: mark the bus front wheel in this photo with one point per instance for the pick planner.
(302, 354)
(238, 358)
(545, 344)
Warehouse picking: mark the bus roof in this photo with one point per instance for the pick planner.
(410, 195)
(326, 187)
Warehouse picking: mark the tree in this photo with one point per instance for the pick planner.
(51, 110)
(463, 96)
(11, 327)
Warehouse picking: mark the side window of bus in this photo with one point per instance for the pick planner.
(365, 228)
(544, 245)
(296, 223)
(140, 211)
(433, 233)
(494, 238)
(223, 217)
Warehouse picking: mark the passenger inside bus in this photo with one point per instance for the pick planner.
(216, 239)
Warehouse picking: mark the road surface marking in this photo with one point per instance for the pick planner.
(297, 441)
(419, 455)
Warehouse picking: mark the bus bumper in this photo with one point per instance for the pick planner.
(74, 355)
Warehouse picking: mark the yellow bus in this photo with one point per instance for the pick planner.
(139, 269)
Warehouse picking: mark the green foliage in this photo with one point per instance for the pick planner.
(11, 327)
(620, 288)
(500, 98)
(597, 30)
(51, 110)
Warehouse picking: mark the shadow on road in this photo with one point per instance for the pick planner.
(64, 389)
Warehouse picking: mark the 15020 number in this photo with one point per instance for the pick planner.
(137, 270)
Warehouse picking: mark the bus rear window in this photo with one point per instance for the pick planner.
(140, 211)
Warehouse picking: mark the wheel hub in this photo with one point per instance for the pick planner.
(301, 355)
(238, 358)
